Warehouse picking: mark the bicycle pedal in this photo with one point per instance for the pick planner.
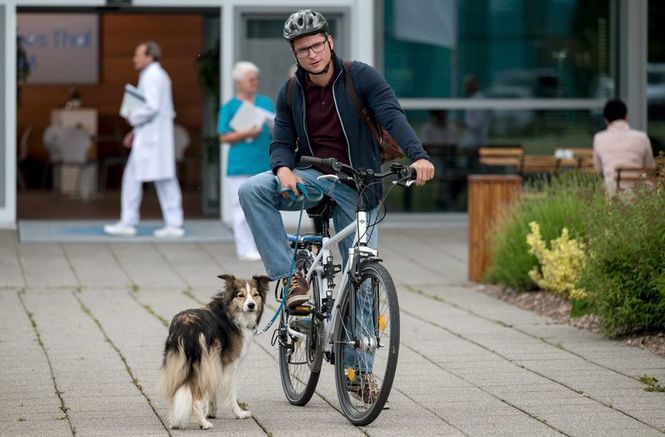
(301, 310)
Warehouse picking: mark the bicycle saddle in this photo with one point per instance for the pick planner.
(323, 209)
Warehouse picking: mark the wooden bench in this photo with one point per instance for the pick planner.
(501, 156)
(539, 164)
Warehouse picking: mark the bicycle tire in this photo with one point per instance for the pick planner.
(300, 373)
(353, 371)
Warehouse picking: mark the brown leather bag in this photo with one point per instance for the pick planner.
(390, 150)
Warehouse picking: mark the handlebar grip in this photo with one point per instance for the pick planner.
(319, 162)
(409, 173)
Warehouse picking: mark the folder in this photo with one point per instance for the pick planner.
(132, 100)
(246, 117)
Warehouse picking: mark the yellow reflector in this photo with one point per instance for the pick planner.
(382, 322)
(351, 374)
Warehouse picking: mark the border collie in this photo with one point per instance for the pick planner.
(204, 348)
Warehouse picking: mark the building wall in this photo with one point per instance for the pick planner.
(119, 35)
(3, 131)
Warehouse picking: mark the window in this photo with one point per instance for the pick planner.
(516, 48)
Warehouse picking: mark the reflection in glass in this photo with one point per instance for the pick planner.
(538, 133)
(517, 49)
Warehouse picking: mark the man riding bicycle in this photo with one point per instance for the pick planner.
(320, 119)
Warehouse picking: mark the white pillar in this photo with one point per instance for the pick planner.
(8, 113)
(633, 44)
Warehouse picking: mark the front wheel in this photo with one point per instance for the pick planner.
(366, 344)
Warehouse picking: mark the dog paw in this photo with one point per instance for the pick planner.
(206, 425)
(243, 414)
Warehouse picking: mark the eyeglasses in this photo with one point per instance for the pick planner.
(316, 48)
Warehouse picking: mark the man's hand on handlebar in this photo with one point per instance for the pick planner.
(288, 179)
(424, 171)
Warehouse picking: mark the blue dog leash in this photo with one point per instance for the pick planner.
(304, 195)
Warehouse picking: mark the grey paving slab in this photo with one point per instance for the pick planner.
(95, 265)
(515, 384)
(469, 364)
(81, 331)
(25, 378)
(10, 267)
(37, 428)
(146, 266)
(193, 264)
(45, 265)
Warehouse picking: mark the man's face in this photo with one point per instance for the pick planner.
(305, 52)
(141, 60)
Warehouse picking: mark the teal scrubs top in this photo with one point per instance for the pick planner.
(246, 158)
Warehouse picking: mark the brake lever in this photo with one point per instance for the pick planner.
(406, 184)
(334, 177)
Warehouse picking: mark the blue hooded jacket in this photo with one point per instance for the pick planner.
(290, 140)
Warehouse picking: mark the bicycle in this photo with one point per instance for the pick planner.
(361, 340)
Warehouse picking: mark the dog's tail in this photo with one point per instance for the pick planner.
(173, 385)
(175, 371)
(181, 407)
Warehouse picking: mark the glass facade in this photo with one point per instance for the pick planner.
(516, 48)
(475, 51)
(656, 76)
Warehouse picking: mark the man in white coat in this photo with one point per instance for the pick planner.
(152, 156)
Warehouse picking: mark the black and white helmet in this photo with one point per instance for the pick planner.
(303, 23)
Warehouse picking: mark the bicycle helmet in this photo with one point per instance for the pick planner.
(303, 23)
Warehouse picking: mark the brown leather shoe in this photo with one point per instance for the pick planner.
(297, 290)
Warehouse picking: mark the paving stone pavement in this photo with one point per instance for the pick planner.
(82, 328)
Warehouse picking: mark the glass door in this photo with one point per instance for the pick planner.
(261, 42)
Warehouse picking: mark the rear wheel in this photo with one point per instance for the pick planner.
(300, 348)
(367, 345)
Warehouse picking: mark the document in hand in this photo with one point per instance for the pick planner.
(247, 117)
(270, 116)
(131, 101)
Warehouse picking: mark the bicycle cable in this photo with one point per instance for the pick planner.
(305, 195)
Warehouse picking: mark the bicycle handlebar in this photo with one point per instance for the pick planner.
(403, 173)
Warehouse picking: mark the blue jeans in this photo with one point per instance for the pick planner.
(261, 202)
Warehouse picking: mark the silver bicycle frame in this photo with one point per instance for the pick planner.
(359, 228)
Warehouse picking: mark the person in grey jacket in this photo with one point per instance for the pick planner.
(322, 121)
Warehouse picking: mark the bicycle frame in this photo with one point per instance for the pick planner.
(359, 247)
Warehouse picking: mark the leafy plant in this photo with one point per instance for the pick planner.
(625, 275)
(22, 67)
(560, 266)
(554, 204)
(652, 384)
(207, 65)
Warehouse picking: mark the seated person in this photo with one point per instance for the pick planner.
(619, 145)
(438, 130)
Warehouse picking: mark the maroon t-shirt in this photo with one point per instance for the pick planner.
(323, 125)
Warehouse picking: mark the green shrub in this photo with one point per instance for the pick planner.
(560, 202)
(625, 273)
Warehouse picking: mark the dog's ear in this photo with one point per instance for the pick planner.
(262, 283)
(228, 279)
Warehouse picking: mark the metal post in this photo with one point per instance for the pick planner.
(633, 44)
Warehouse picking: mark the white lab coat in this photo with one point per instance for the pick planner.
(153, 150)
